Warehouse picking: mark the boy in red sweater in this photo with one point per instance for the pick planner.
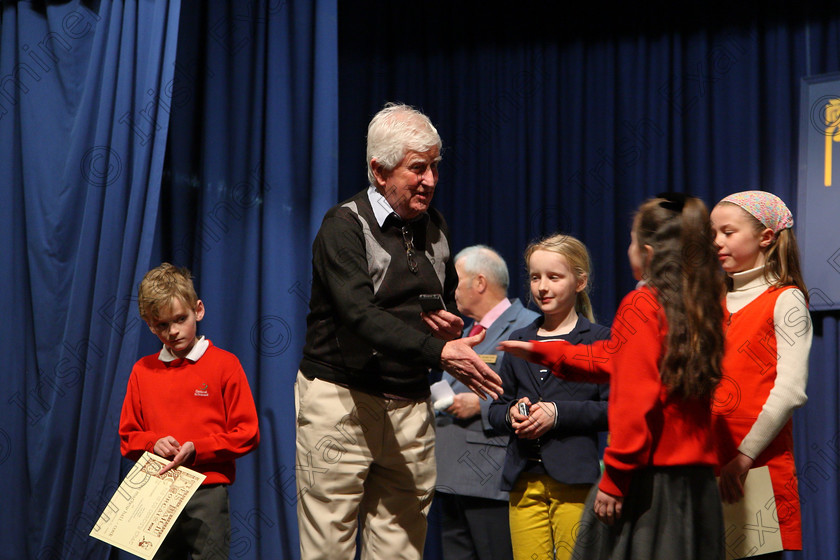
(190, 403)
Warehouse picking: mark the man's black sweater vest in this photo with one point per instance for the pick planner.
(364, 328)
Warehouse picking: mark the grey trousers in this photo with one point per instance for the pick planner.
(202, 529)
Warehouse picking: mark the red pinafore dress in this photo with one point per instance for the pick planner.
(749, 373)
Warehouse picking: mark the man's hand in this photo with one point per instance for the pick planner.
(732, 477)
(608, 507)
(443, 324)
(464, 406)
(459, 359)
(168, 447)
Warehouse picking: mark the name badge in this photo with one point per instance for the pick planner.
(488, 358)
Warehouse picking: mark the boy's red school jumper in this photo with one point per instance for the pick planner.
(207, 401)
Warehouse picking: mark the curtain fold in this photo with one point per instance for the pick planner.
(252, 169)
(83, 122)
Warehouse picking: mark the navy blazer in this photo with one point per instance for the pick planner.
(469, 453)
(569, 451)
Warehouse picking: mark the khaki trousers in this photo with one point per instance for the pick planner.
(361, 461)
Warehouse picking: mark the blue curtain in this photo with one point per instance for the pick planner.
(566, 122)
(251, 171)
(548, 124)
(83, 124)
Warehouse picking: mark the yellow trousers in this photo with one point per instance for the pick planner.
(544, 517)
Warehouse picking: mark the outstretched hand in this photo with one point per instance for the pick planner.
(518, 348)
(459, 359)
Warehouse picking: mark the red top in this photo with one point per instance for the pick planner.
(207, 402)
(647, 428)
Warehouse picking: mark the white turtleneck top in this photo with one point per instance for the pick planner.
(793, 344)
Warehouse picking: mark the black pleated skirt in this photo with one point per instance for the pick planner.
(669, 513)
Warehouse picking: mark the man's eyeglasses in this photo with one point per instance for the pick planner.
(408, 240)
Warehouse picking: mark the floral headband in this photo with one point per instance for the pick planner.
(765, 207)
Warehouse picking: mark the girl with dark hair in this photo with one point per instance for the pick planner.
(657, 498)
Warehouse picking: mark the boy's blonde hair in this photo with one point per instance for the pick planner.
(578, 258)
(160, 285)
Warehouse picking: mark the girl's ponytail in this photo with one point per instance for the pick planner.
(683, 270)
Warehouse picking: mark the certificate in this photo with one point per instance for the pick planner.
(751, 525)
(145, 506)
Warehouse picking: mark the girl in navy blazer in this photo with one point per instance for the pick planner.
(552, 459)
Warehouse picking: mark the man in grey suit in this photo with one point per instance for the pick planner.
(470, 455)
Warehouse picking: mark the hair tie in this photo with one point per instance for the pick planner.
(674, 201)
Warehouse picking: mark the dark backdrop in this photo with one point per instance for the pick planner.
(115, 156)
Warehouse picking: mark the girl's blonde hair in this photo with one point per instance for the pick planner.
(684, 272)
(578, 258)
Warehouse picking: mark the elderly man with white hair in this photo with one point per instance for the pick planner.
(365, 429)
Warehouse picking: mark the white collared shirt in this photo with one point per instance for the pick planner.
(199, 348)
(381, 208)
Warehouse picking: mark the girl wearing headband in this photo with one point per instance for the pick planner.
(765, 363)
